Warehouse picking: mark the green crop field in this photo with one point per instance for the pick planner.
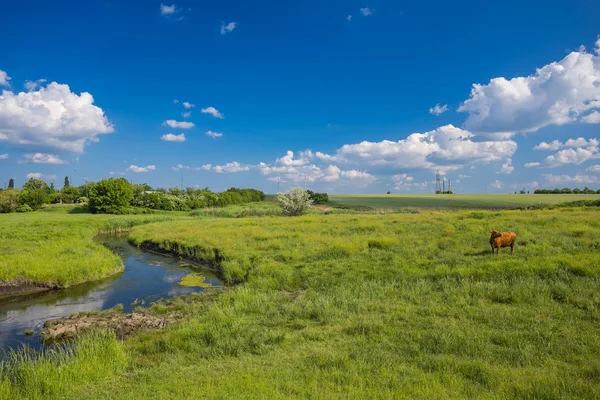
(355, 306)
(465, 201)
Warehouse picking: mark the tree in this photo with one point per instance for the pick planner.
(11, 183)
(67, 184)
(34, 198)
(294, 202)
(35, 184)
(389, 192)
(110, 196)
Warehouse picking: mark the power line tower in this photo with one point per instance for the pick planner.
(438, 182)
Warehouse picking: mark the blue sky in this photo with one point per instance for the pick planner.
(349, 87)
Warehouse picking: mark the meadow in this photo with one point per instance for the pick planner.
(454, 201)
(356, 306)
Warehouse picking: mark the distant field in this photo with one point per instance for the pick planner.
(487, 201)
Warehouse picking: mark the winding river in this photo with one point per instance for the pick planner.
(147, 277)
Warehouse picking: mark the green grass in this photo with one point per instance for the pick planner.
(367, 306)
(55, 247)
(460, 201)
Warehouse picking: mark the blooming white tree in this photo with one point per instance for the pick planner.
(294, 202)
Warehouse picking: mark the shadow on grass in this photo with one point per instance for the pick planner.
(80, 210)
(479, 253)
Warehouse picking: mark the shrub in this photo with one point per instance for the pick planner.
(34, 198)
(294, 202)
(83, 200)
(110, 196)
(318, 198)
(9, 200)
(24, 208)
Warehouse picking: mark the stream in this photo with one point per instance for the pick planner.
(146, 278)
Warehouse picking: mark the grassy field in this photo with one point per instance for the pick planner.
(359, 306)
(462, 201)
(56, 248)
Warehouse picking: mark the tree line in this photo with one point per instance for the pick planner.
(585, 190)
(118, 196)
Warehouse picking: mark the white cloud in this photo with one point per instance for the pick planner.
(366, 11)
(333, 173)
(212, 111)
(136, 169)
(51, 118)
(560, 179)
(3, 156)
(507, 167)
(558, 93)
(179, 167)
(497, 184)
(594, 168)
(176, 124)
(571, 156)
(41, 158)
(532, 164)
(592, 118)
(175, 101)
(187, 105)
(349, 18)
(329, 158)
(225, 28)
(169, 137)
(231, 167)
(206, 167)
(213, 135)
(288, 160)
(446, 148)
(437, 110)
(186, 114)
(4, 79)
(555, 145)
(168, 10)
(38, 175)
(464, 176)
(33, 85)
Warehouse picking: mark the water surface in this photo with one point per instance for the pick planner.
(147, 277)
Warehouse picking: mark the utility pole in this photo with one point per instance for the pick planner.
(448, 185)
(438, 186)
(443, 186)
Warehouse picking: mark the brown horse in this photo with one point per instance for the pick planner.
(503, 239)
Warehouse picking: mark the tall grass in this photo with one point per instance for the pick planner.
(373, 306)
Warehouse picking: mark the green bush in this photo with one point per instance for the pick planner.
(34, 198)
(110, 196)
(83, 200)
(295, 202)
(24, 208)
(9, 200)
(318, 198)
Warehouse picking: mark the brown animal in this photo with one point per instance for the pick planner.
(503, 239)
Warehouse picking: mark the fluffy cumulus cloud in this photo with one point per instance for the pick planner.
(532, 164)
(231, 167)
(507, 167)
(366, 11)
(571, 156)
(188, 105)
(136, 169)
(177, 124)
(559, 93)
(405, 182)
(447, 147)
(288, 160)
(213, 135)
(169, 137)
(594, 168)
(579, 142)
(561, 179)
(437, 110)
(51, 118)
(592, 118)
(212, 111)
(226, 28)
(39, 175)
(33, 85)
(41, 158)
(4, 78)
(168, 10)
(333, 173)
(3, 156)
